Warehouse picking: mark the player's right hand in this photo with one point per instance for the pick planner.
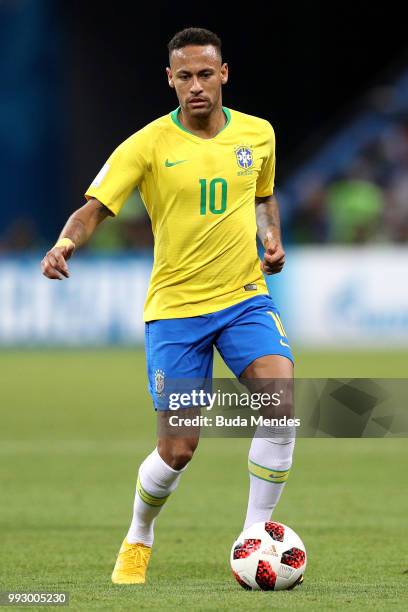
(274, 256)
(54, 264)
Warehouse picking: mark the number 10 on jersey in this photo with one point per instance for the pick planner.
(216, 192)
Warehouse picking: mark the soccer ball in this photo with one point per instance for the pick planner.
(269, 557)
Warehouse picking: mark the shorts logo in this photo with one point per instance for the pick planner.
(159, 381)
(284, 343)
(244, 156)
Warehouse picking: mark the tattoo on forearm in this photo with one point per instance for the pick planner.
(268, 219)
(76, 230)
(82, 223)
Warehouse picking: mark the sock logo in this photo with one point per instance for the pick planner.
(159, 381)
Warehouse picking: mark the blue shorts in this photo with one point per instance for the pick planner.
(183, 348)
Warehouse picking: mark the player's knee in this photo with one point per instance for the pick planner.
(177, 455)
(181, 457)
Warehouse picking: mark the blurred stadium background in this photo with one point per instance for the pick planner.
(69, 97)
(76, 80)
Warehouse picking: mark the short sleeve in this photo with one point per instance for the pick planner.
(266, 178)
(121, 174)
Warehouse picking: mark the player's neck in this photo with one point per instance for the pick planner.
(205, 127)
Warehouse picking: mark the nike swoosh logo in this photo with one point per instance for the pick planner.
(168, 163)
(284, 343)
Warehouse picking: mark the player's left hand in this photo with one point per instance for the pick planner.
(274, 256)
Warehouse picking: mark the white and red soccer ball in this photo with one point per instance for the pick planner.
(269, 557)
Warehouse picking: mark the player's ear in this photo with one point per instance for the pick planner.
(224, 73)
(170, 77)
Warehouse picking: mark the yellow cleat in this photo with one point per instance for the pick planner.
(131, 564)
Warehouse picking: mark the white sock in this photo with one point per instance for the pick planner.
(156, 480)
(269, 463)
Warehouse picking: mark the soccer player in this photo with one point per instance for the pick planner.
(206, 176)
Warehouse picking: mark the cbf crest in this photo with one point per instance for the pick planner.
(159, 381)
(245, 157)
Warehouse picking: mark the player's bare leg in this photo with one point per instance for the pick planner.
(158, 476)
(177, 452)
(270, 455)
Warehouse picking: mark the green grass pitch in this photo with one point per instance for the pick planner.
(74, 427)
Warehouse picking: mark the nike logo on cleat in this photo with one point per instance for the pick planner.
(168, 163)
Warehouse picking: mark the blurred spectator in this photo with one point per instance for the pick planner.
(367, 203)
(354, 209)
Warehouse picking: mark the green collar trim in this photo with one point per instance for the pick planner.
(174, 115)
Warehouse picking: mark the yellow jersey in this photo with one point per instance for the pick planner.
(200, 196)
